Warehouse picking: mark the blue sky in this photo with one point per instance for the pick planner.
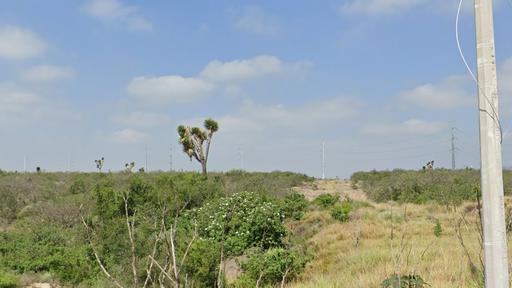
(379, 81)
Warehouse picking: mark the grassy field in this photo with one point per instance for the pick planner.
(378, 242)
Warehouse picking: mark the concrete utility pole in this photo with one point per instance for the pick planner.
(495, 242)
(453, 148)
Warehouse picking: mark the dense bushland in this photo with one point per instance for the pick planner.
(65, 224)
(439, 185)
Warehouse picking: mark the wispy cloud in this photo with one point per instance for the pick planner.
(142, 119)
(47, 73)
(115, 10)
(170, 88)
(247, 69)
(129, 136)
(18, 43)
(312, 116)
(378, 7)
(448, 94)
(408, 127)
(253, 19)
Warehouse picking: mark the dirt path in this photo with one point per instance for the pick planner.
(339, 187)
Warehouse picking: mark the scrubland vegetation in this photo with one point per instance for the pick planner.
(240, 229)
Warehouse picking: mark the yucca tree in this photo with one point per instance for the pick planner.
(99, 163)
(196, 141)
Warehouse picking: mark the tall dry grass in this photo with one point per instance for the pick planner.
(391, 238)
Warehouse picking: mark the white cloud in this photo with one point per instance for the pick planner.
(142, 119)
(47, 73)
(303, 119)
(16, 101)
(17, 105)
(409, 127)
(239, 70)
(129, 136)
(378, 7)
(450, 93)
(169, 89)
(115, 10)
(224, 75)
(253, 19)
(17, 43)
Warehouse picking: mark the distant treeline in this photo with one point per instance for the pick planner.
(439, 185)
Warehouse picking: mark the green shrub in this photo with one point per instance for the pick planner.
(276, 183)
(447, 187)
(202, 263)
(46, 249)
(294, 206)
(438, 230)
(9, 280)
(404, 281)
(326, 200)
(273, 265)
(341, 212)
(241, 221)
(78, 187)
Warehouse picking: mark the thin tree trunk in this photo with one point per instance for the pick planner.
(203, 165)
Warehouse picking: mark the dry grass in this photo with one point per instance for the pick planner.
(391, 238)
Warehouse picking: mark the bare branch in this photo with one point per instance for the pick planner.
(150, 268)
(163, 270)
(130, 225)
(102, 267)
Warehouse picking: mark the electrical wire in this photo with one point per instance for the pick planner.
(494, 115)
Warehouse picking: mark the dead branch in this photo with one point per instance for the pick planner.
(102, 267)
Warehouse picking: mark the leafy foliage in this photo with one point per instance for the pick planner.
(446, 187)
(327, 200)
(276, 183)
(272, 266)
(45, 234)
(241, 221)
(341, 212)
(203, 263)
(294, 206)
(438, 230)
(8, 280)
(45, 248)
(405, 281)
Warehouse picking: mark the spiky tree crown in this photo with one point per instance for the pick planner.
(192, 138)
(211, 125)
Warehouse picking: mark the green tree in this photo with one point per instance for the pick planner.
(196, 142)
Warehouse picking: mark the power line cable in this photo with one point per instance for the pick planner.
(495, 115)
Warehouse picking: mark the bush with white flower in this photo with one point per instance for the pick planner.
(240, 221)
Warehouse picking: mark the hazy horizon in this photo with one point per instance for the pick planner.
(380, 82)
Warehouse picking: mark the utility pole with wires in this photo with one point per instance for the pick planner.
(453, 148)
(493, 222)
(323, 160)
